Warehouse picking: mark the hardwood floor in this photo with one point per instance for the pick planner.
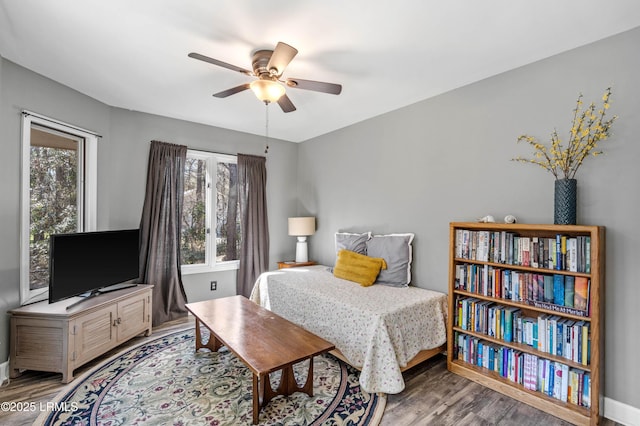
(433, 396)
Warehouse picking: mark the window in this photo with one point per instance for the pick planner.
(58, 194)
(210, 237)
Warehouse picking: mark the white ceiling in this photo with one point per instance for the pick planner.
(387, 54)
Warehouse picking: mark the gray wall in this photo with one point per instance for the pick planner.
(122, 160)
(448, 159)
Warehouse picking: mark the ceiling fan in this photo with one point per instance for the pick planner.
(268, 67)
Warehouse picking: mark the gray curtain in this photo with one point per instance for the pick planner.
(254, 250)
(160, 231)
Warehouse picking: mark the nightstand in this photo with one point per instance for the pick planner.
(292, 264)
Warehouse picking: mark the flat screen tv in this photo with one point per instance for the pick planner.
(90, 262)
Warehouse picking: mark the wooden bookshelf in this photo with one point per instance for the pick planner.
(466, 338)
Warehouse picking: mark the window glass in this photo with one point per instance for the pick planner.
(210, 218)
(54, 202)
(194, 227)
(227, 213)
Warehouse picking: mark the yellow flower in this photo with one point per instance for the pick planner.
(586, 130)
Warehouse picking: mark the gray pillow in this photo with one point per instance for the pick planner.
(353, 242)
(396, 250)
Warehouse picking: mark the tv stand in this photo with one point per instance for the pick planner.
(60, 337)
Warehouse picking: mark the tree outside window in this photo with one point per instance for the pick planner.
(210, 217)
(53, 187)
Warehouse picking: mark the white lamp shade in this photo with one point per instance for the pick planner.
(267, 90)
(302, 226)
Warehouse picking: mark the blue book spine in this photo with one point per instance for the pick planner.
(586, 390)
(558, 290)
(507, 285)
(508, 325)
(505, 362)
(559, 338)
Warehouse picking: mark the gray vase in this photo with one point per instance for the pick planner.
(564, 201)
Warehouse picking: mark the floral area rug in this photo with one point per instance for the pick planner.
(165, 382)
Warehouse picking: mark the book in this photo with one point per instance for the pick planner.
(509, 312)
(559, 337)
(525, 251)
(586, 390)
(540, 281)
(558, 289)
(569, 287)
(586, 339)
(464, 252)
(548, 289)
(542, 333)
(581, 293)
(564, 387)
(558, 263)
(572, 254)
(587, 255)
(557, 381)
(551, 375)
(506, 281)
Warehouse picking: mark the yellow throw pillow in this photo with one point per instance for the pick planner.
(357, 267)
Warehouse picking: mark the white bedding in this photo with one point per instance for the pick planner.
(378, 328)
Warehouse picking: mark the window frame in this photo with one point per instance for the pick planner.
(87, 190)
(211, 264)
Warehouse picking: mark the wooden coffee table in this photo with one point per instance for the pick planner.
(262, 340)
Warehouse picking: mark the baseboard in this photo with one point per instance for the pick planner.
(4, 372)
(621, 413)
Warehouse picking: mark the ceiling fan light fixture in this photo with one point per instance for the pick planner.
(267, 90)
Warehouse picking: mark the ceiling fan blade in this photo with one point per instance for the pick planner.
(286, 104)
(282, 55)
(317, 86)
(219, 63)
(231, 91)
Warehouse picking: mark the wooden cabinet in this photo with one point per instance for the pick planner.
(50, 337)
(492, 284)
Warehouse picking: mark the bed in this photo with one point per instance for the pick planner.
(381, 330)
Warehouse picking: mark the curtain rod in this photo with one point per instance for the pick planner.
(62, 123)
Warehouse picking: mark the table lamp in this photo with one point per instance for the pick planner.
(302, 227)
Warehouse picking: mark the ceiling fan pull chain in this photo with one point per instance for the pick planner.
(266, 130)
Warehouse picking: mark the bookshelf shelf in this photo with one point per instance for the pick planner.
(500, 280)
(519, 305)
